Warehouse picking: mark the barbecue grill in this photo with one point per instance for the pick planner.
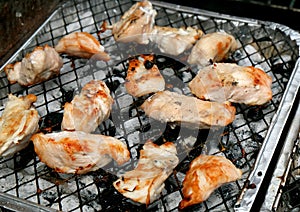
(262, 141)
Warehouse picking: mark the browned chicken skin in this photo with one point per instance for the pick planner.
(145, 183)
(212, 47)
(88, 109)
(169, 106)
(230, 82)
(143, 76)
(206, 173)
(40, 65)
(78, 152)
(82, 44)
(19, 121)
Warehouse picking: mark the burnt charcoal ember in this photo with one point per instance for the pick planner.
(109, 198)
(67, 95)
(113, 86)
(22, 158)
(292, 194)
(282, 68)
(163, 62)
(255, 113)
(51, 122)
(257, 137)
(170, 134)
(148, 64)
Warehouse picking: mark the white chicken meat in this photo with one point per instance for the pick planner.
(192, 112)
(175, 41)
(78, 152)
(88, 109)
(19, 121)
(145, 183)
(136, 24)
(207, 173)
(230, 82)
(40, 65)
(212, 47)
(83, 45)
(143, 76)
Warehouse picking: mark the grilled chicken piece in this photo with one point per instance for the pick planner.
(40, 65)
(169, 106)
(206, 173)
(175, 41)
(19, 121)
(78, 152)
(88, 109)
(145, 183)
(230, 82)
(82, 44)
(136, 24)
(143, 76)
(212, 47)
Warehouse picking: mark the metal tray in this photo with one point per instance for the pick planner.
(250, 141)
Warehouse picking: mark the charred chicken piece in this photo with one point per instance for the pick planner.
(143, 76)
(83, 45)
(230, 82)
(40, 65)
(78, 152)
(88, 109)
(145, 183)
(19, 121)
(212, 47)
(136, 24)
(175, 41)
(192, 112)
(207, 173)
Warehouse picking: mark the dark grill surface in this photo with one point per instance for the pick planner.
(24, 176)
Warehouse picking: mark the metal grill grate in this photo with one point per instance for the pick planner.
(24, 176)
(291, 191)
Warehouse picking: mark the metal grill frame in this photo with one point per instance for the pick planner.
(71, 75)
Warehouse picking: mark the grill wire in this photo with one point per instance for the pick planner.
(24, 176)
(291, 191)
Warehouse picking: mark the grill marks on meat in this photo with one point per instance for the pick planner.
(143, 76)
(136, 24)
(175, 41)
(82, 44)
(145, 183)
(230, 82)
(78, 152)
(88, 109)
(167, 106)
(207, 173)
(19, 121)
(40, 65)
(212, 47)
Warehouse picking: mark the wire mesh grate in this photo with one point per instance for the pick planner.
(26, 177)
